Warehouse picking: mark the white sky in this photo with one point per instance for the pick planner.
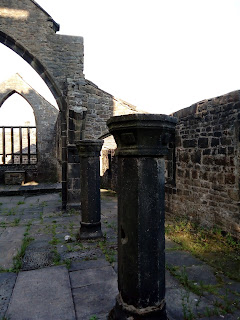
(160, 55)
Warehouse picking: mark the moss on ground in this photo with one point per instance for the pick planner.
(216, 248)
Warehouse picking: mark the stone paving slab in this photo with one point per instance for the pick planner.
(233, 286)
(7, 282)
(201, 274)
(13, 233)
(183, 304)
(91, 264)
(94, 288)
(96, 299)
(170, 245)
(10, 242)
(8, 250)
(171, 282)
(11, 199)
(181, 259)
(35, 200)
(82, 278)
(43, 294)
(235, 316)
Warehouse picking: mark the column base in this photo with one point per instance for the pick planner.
(90, 231)
(123, 311)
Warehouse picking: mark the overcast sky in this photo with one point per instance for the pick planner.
(160, 55)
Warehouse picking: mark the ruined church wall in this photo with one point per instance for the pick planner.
(30, 31)
(207, 160)
(89, 109)
(34, 31)
(95, 107)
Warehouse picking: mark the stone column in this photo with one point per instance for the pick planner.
(76, 117)
(142, 141)
(89, 152)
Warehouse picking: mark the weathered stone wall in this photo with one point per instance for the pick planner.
(203, 174)
(96, 105)
(47, 168)
(34, 31)
(208, 164)
(30, 31)
(89, 109)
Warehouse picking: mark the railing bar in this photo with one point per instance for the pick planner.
(28, 136)
(12, 147)
(4, 151)
(36, 144)
(20, 140)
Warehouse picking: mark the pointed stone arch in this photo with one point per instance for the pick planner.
(29, 31)
(46, 119)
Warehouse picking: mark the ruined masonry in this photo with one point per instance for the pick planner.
(47, 167)
(30, 31)
(202, 167)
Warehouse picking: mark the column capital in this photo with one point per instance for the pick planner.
(89, 148)
(142, 134)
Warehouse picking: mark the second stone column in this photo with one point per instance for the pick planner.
(89, 152)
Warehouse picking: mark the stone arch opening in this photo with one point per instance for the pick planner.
(15, 103)
(34, 62)
(30, 145)
(18, 136)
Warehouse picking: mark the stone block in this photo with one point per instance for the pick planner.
(196, 156)
(208, 160)
(215, 142)
(234, 194)
(230, 178)
(189, 143)
(14, 177)
(221, 160)
(203, 143)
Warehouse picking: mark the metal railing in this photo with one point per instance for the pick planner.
(18, 145)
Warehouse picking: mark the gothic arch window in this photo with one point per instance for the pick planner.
(18, 136)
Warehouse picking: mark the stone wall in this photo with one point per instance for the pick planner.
(48, 167)
(96, 106)
(30, 31)
(34, 34)
(207, 164)
(203, 173)
(89, 109)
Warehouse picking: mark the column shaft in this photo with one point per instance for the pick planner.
(89, 152)
(142, 141)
